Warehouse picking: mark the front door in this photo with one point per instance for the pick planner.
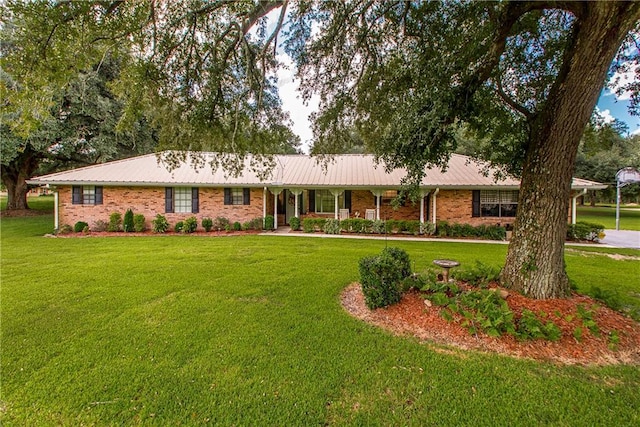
(290, 203)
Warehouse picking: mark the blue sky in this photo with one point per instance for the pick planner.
(610, 104)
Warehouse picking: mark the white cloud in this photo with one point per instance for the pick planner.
(606, 115)
(636, 132)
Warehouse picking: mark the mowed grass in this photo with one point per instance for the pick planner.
(191, 330)
(606, 215)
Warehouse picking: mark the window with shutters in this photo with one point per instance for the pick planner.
(498, 203)
(237, 196)
(86, 195)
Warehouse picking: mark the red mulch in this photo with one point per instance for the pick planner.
(412, 317)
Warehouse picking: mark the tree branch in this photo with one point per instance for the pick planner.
(510, 101)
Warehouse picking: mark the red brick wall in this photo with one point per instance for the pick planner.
(150, 202)
(454, 206)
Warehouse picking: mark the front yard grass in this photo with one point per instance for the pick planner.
(606, 215)
(188, 330)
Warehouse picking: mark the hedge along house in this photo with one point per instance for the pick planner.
(348, 186)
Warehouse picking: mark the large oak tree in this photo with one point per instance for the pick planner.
(402, 74)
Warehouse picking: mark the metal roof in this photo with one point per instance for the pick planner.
(340, 171)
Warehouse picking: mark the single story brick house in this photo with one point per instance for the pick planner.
(301, 186)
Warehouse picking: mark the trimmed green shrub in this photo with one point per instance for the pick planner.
(588, 231)
(254, 224)
(377, 226)
(427, 228)
(178, 227)
(127, 223)
(294, 223)
(221, 223)
(269, 222)
(139, 223)
(207, 224)
(402, 257)
(237, 226)
(115, 222)
(489, 232)
(190, 225)
(380, 277)
(331, 226)
(80, 226)
(160, 224)
(308, 225)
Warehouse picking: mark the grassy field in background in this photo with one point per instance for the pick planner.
(606, 215)
(187, 330)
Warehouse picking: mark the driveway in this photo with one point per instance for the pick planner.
(622, 238)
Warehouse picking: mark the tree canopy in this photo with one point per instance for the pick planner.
(403, 75)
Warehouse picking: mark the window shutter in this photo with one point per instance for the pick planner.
(312, 201)
(227, 196)
(427, 210)
(76, 195)
(301, 204)
(246, 196)
(98, 195)
(475, 204)
(168, 200)
(347, 199)
(195, 202)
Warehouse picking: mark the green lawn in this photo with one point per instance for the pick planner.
(606, 215)
(191, 330)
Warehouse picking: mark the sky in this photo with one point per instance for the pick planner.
(610, 106)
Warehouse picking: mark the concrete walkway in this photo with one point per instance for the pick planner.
(622, 239)
(613, 238)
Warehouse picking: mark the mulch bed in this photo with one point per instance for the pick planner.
(200, 233)
(413, 318)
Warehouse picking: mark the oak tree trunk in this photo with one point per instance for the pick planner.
(14, 177)
(535, 259)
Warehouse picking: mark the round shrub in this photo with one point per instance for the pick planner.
(237, 226)
(380, 277)
(402, 257)
(115, 222)
(160, 224)
(294, 223)
(80, 226)
(139, 224)
(268, 222)
(178, 227)
(207, 224)
(190, 224)
(331, 226)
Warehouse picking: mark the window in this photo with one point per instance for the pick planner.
(326, 201)
(495, 203)
(181, 200)
(86, 195)
(237, 196)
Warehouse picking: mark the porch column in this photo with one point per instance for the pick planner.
(336, 193)
(264, 203)
(276, 192)
(296, 192)
(573, 205)
(434, 206)
(378, 194)
(422, 196)
(56, 209)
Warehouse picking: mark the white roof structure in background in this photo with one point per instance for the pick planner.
(342, 171)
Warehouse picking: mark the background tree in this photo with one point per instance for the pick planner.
(603, 151)
(80, 130)
(523, 75)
